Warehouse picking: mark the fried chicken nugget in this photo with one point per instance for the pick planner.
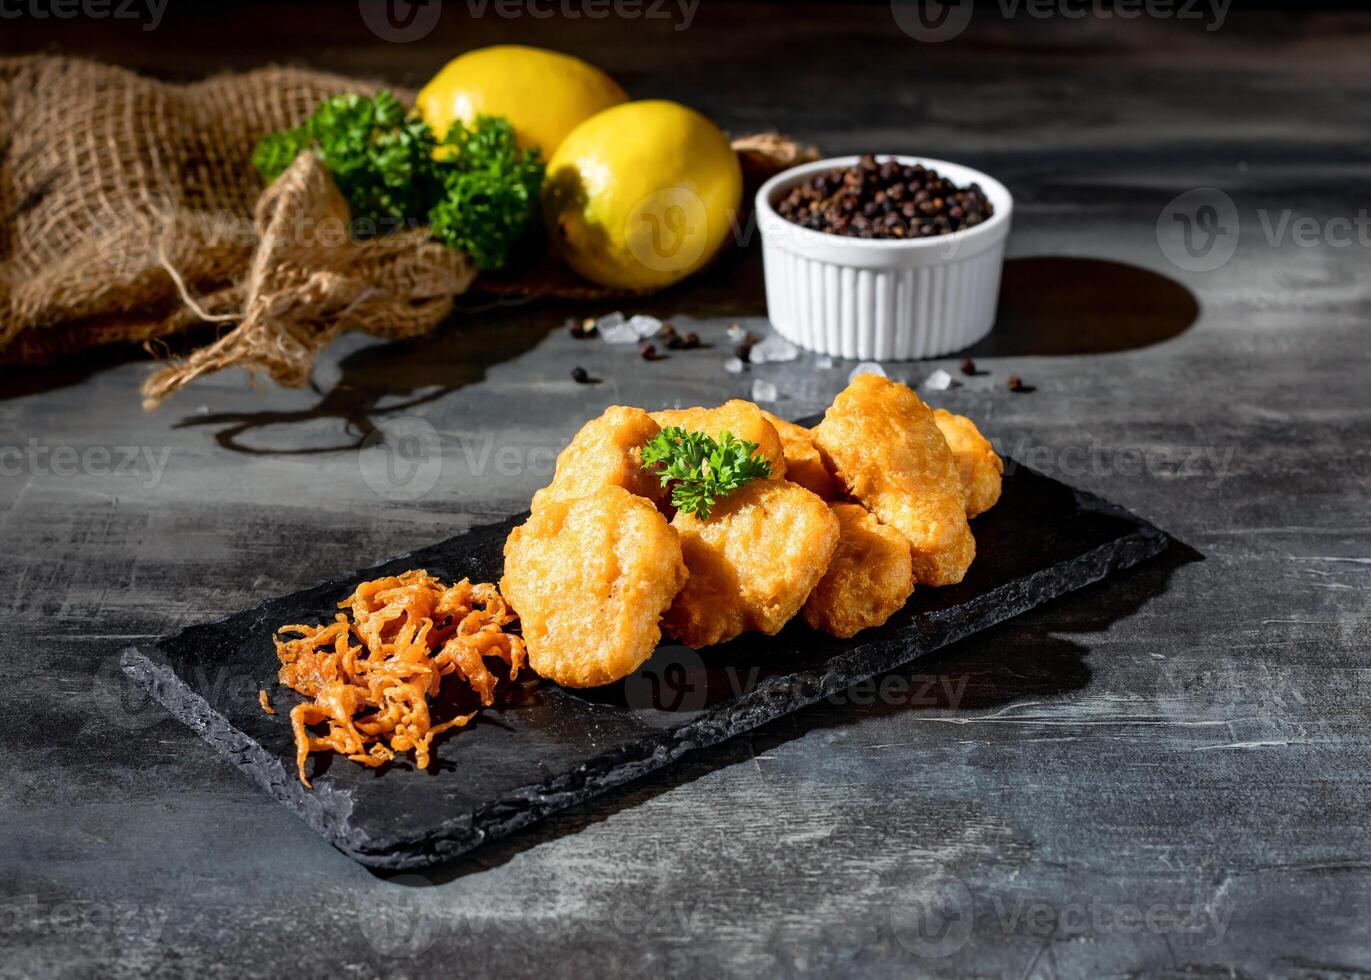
(868, 580)
(979, 466)
(881, 442)
(590, 578)
(803, 465)
(752, 562)
(607, 451)
(741, 418)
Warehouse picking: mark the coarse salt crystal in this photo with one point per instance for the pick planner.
(939, 380)
(764, 391)
(614, 329)
(866, 367)
(734, 365)
(823, 362)
(645, 326)
(773, 349)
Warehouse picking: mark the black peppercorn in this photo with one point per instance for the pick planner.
(884, 200)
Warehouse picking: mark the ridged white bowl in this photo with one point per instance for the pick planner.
(883, 299)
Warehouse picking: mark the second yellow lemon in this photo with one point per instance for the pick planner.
(642, 195)
(543, 94)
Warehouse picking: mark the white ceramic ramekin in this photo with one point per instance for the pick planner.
(883, 299)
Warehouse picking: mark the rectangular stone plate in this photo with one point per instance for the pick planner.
(546, 748)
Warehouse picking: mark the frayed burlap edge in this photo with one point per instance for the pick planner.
(309, 281)
(301, 292)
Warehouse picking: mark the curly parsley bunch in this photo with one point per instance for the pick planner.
(701, 470)
(489, 191)
(480, 197)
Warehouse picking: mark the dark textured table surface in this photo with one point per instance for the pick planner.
(1165, 774)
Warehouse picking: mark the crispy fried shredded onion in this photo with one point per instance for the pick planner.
(370, 679)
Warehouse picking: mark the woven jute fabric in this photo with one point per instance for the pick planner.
(130, 210)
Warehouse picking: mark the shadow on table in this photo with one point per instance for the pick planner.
(1052, 305)
(21, 380)
(1049, 305)
(1029, 658)
(1060, 305)
(371, 379)
(459, 353)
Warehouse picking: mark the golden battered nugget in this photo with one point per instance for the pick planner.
(979, 466)
(881, 442)
(606, 452)
(869, 578)
(590, 578)
(803, 464)
(743, 419)
(752, 562)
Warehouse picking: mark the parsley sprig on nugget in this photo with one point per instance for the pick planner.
(700, 470)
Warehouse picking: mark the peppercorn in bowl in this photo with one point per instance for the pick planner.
(883, 258)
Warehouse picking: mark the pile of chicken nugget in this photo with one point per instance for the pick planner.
(872, 501)
(855, 512)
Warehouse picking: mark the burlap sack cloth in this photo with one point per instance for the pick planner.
(131, 211)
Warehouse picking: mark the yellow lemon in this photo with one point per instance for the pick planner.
(543, 94)
(642, 195)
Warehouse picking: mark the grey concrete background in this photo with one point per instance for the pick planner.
(1165, 775)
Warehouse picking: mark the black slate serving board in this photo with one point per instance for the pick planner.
(545, 748)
